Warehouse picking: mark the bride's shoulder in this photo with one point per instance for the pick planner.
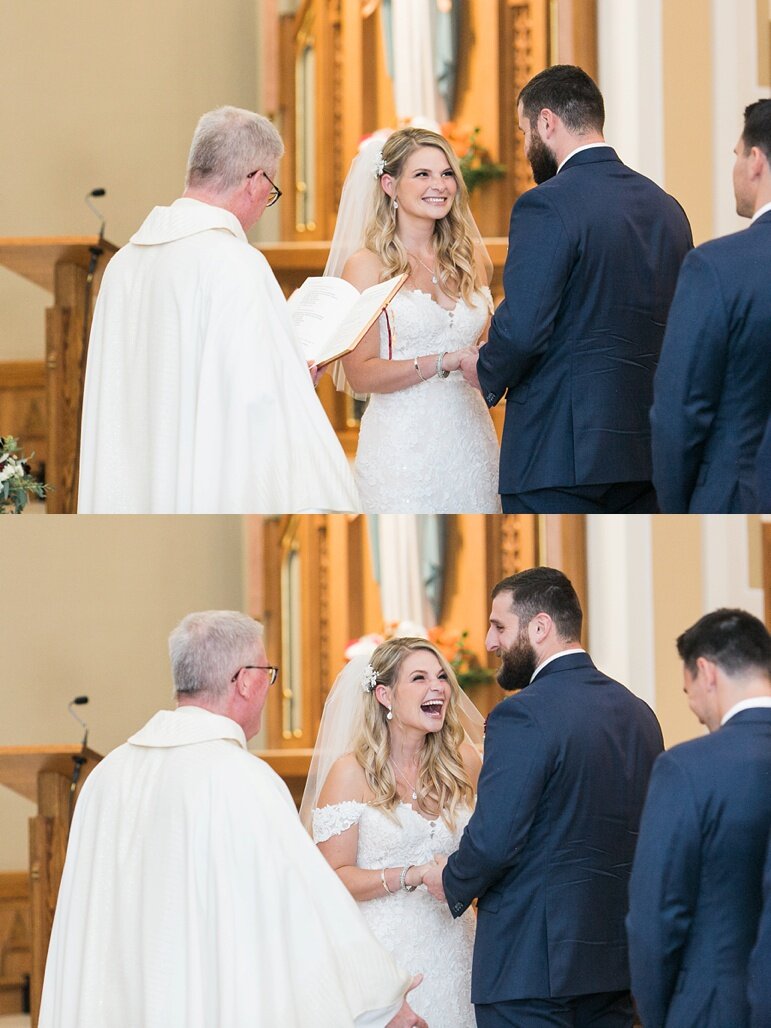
(345, 782)
(363, 268)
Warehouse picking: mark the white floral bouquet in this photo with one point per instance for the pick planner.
(16, 482)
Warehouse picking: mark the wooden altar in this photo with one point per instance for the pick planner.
(71, 268)
(44, 774)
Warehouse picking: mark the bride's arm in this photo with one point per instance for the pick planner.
(344, 783)
(365, 369)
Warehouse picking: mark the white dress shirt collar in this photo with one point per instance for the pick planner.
(562, 653)
(761, 211)
(578, 149)
(756, 701)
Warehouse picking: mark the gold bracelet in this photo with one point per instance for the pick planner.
(417, 368)
(385, 883)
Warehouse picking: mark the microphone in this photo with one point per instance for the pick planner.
(78, 702)
(94, 210)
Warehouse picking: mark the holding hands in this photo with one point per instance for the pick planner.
(468, 366)
(432, 876)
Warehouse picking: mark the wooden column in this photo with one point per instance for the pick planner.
(47, 848)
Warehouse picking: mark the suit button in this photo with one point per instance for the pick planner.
(458, 908)
(490, 398)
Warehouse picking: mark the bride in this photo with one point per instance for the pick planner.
(391, 786)
(426, 442)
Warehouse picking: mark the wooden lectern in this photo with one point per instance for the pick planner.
(71, 268)
(44, 775)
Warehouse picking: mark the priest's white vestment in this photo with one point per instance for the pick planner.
(197, 397)
(192, 897)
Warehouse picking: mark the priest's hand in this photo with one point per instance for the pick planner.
(432, 877)
(406, 1017)
(468, 367)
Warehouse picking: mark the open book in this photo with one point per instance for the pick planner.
(331, 316)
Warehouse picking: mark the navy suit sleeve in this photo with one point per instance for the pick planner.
(688, 382)
(538, 264)
(510, 787)
(663, 888)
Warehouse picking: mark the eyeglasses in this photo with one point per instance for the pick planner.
(258, 667)
(275, 193)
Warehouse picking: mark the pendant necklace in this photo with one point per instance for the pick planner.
(431, 273)
(406, 779)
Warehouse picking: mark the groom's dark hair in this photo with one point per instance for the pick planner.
(757, 127)
(570, 93)
(548, 590)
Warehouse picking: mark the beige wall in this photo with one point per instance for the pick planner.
(105, 94)
(87, 606)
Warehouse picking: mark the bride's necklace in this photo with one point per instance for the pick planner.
(431, 271)
(406, 779)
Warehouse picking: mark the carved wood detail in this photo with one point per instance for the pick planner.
(15, 940)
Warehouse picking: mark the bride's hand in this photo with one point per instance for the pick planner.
(415, 874)
(452, 360)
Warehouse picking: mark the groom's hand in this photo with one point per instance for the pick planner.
(468, 367)
(406, 1017)
(432, 878)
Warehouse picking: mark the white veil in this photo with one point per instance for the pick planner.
(357, 202)
(341, 720)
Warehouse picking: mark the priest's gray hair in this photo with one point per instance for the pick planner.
(228, 144)
(208, 647)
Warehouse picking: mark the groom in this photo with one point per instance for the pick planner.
(594, 254)
(549, 848)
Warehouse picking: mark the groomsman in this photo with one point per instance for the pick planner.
(712, 391)
(760, 961)
(763, 471)
(549, 847)
(594, 254)
(695, 891)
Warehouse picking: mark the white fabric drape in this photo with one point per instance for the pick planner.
(197, 397)
(192, 897)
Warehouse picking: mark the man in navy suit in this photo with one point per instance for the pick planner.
(760, 961)
(712, 391)
(593, 258)
(763, 471)
(549, 847)
(695, 892)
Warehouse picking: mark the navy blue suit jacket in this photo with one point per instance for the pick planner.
(760, 961)
(712, 392)
(695, 892)
(763, 473)
(592, 265)
(549, 848)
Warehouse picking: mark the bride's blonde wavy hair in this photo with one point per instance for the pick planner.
(456, 266)
(443, 783)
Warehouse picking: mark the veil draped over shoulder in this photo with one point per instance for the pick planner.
(357, 202)
(340, 722)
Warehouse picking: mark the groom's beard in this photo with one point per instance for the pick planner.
(517, 664)
(542, 160)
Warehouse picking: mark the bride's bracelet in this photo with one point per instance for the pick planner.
(391, 892)
(403, 879)
(417, 368)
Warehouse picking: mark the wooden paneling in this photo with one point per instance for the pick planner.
(23, 408)
(15, 941)
(767, 571)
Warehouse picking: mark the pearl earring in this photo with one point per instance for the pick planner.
(396, 204)
(389, 715)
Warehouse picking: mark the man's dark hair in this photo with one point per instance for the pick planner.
(757, 127)
(733, 639)
(570, 93)
(547, 590)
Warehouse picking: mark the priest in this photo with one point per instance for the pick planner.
(197, 396)
(192, 897)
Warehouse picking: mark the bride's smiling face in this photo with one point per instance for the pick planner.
(427, 185)
(421, 692)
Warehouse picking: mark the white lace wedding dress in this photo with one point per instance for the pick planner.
(416, 928)
(430, 448)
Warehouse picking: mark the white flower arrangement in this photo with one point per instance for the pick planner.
(16, 482)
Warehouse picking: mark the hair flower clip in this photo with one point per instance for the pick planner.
(369, 679)
(379, 166)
